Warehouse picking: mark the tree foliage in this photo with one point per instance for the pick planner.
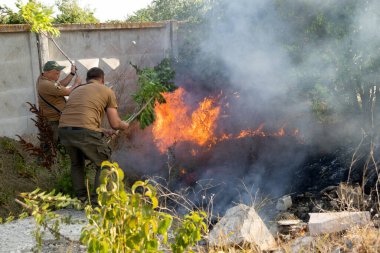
(71, 12)
(40, 16)
(344, 82)
(159, 10)
(7, 16)
(333, 56)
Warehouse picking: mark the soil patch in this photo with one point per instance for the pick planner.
(20, 172)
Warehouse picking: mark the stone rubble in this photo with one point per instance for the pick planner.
(325, 223)
(242, 225)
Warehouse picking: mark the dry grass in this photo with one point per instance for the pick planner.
(366, 240)
(357, 239)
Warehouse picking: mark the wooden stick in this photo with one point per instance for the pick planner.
(140, 111)
(58, 47)
(130, 119)
(22, 204)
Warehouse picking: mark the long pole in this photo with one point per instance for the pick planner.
(130, 119)
(59, 48)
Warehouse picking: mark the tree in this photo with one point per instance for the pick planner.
(346, 61)
(71, 12)
(38, 16)
(7, 16)
(189, 10)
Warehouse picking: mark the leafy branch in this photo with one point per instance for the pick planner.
(38, 17)
(153, 82)
(41, 206)
(45, 136)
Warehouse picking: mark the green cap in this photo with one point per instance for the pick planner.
(50, 65)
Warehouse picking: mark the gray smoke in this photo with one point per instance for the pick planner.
(252, 43)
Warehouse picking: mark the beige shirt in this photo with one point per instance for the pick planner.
(53, 93)
(86, 106)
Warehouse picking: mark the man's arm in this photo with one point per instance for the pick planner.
(67, 91)
(64, 82)
(114, 119)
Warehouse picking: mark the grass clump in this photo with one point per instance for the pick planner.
(20, 172)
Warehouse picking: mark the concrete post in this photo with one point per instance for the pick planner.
(35, 63)
(43, 49)
(174, 39)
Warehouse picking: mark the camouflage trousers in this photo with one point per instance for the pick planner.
(82, 144)
(54, 127)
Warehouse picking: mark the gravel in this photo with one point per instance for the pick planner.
(17, 236)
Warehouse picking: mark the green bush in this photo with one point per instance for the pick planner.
(130, 222)
(122, 221)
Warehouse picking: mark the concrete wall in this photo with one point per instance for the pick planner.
(18, 72)
(109, 46)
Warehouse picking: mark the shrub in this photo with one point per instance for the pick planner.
(130, 222)
(121, 221)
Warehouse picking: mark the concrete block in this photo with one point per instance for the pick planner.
(324, 223)
(241, 224)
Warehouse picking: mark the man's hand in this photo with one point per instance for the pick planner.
(125, 125)
(73, 69)
(108, 132)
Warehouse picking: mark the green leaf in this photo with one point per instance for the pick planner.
(136, 185)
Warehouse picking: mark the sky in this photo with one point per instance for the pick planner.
(104, 9)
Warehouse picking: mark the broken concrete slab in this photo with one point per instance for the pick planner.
(241, 224)
(324, 223)
(291, 227)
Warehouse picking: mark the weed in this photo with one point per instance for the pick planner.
(41, 205)
(47, 151)
(8, 146)
(64, 183)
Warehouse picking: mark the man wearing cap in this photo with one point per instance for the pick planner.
(80, 128)
(51, 93)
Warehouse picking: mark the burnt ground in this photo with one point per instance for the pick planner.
(277, 166)
(245, 170)
(231, 172)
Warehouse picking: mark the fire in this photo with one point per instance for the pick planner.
(175, 123)
(250, 133)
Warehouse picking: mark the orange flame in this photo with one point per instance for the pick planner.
(173, 123)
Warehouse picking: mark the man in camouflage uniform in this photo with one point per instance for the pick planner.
(51, 93)
(80, 128)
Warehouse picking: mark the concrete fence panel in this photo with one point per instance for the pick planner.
(111, 47)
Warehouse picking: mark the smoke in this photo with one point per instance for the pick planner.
(283, 58)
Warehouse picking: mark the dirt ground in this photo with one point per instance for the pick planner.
(19, 172)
